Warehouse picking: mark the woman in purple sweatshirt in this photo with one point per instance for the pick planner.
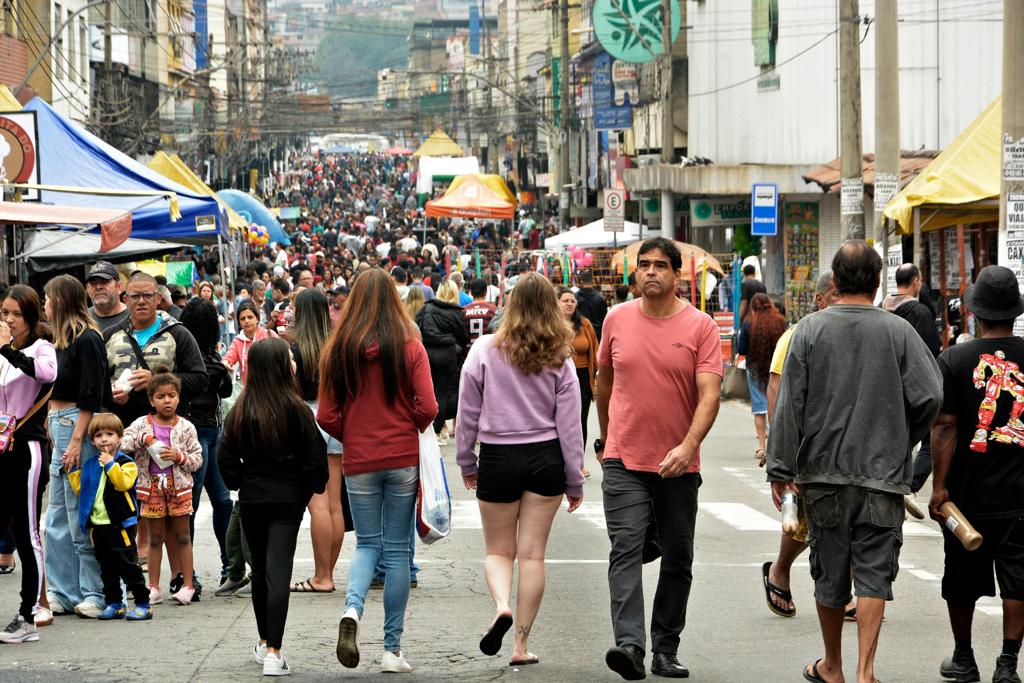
(521, 398)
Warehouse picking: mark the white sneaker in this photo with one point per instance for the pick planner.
(57, 607)
(259, 652)
(43, 617)
(391, 663)
(87, 609)
(19, 631)
(348, 639)
(275, 665)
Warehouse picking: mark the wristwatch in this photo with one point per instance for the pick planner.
(598, 445)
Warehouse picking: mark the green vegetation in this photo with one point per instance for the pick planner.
(354, 50)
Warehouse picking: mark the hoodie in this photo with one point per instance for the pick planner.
(919, 316)
(238, 353)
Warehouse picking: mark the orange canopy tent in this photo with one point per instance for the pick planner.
(688, 252)
(470, 197)
(398, 151)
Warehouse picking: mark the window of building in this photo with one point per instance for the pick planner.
(764, 28)
(83, 51)
(11, 18)
(58, 41)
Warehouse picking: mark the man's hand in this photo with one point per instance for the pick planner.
(574, 503)
(470, 482)
(140, 378)
(781, 488)
(676, 462)
(120, 397)
(939, 496)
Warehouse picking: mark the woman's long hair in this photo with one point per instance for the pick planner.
(534, 333)
(766, 326)
(372, 315)
(576, 318)
(312, 329)
(31, 311)
(69, 306)
(415, 299)
(200, 318)
(269, 409)
(448, 292)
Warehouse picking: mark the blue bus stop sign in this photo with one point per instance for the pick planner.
(764, 209)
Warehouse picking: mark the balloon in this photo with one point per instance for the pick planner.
(577, 252)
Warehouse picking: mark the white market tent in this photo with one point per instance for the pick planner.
(51, 249)
(593, 235)
(443, 167)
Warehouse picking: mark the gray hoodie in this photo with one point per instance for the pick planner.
(859, 389)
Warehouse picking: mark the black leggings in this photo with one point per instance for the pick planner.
(271, 531)
(23, 479)
(444, 372)
(586, 396)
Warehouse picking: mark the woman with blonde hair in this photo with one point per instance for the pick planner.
(82, 376)
(520, 398)
(414, 301)
(443, 328)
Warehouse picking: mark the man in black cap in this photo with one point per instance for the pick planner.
(105, 289)
(978, 458)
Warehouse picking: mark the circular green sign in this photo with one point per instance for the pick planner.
(630, 30)
(702, 211)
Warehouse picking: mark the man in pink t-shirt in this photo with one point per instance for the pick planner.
(658, 385)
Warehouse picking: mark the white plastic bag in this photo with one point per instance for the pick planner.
(434, 505)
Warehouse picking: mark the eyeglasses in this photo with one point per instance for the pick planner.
(135, 296)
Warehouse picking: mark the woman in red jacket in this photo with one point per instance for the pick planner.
(375, 397)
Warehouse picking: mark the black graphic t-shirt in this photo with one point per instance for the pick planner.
(983, 386)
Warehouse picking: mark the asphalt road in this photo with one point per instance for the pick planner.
(730, 634)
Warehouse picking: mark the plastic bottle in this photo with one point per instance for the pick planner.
(790, 519)
(961, 528)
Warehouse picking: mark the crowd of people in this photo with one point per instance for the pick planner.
(308, 384)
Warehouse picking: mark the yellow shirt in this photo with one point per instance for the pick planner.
(781, 349)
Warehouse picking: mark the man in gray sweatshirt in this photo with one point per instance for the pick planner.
(859, 389)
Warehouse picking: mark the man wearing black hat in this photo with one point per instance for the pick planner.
(978, 457)
(105, 289)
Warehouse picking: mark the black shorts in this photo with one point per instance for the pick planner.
(507, 471)
(968, 575)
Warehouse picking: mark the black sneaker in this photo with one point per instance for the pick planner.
(961, 668)
(177, 582)
(1006, 670)
(198, 587)
(627, 661)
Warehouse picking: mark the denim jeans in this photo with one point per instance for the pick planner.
(414, 569)
(72, 573)
(382, 506)
(208, 475)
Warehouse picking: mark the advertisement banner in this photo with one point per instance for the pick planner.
(609, 114)
(720, 211)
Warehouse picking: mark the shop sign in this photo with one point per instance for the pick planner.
(206, 223)
(631, 31)
(764, 209)
(19, 151)
(613, 110)
(714, 211)
(1013, 158)
(624, 83)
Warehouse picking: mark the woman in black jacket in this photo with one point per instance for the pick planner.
(200, 318)
(443, 327)
(273, 454)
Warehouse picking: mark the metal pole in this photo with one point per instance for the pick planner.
(1011, 204)
(852, 203)
(668, 130)
(564, 182)
(887, 119)
(108, 60)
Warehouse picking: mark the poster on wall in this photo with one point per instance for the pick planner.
(19, 151)
(801, 224)
(1014, 250)
(894, 259)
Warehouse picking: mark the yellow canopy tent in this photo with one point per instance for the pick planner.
(438, 145)
(171, 166)
(8, 102)
(961, 185)
(491, 180)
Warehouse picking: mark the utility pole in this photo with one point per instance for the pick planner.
(1011, 200)
(668, 129)
(108, 66)
(887, 118)
(564, 181)
(852, 195)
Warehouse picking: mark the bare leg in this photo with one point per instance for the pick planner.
(789, 550)
(157, 531)
(535, 516)
(142, 540)
(961, 618)
(320, 533)
(337, 514)
(761, 425)
(500, 522)
(182, 544)
(831, 620)
(869, 622)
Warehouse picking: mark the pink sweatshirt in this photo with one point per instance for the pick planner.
(238, 353)
(498, 404)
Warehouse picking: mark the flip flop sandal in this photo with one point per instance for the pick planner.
(531, 659)
(771, 589)
(851, 615)
(490, 644)
(8, 568)
(308, 587)
(813, 674)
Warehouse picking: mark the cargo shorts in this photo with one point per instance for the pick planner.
(853, 530)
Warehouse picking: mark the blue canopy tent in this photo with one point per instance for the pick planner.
(255, 212)
(71, 156)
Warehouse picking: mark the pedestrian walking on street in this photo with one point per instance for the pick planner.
(275, 457)
(590, 302)
(658, 389)
(859, 389)
(584, 356)
(375, 397)
(442, 324)
(28, 367)
(758, 335)
(977, 452)
(73, 575)
(520, 398)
